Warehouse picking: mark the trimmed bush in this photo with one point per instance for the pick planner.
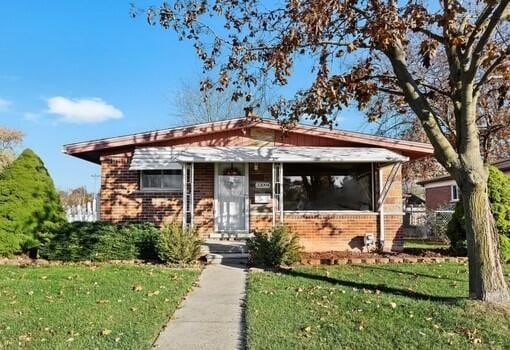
(100, 241)
(274, 248)
(30, 207)
(499, 196)
(177, 245)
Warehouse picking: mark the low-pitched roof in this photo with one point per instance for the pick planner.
(91, 150)
(503, 165)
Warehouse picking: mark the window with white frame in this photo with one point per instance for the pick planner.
(161, 180)
(455, 193)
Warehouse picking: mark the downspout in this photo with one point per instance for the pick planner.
(381, 211)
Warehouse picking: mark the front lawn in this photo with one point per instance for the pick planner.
(79, 307)
(416, 243)
(371, 307)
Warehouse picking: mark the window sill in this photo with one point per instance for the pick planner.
(144, 191)
(336, 212)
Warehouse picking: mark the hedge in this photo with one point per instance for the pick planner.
(101, 241)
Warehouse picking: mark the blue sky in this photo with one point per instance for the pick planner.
(64, 64)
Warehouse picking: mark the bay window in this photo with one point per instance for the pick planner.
(335, 187)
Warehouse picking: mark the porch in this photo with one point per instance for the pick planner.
(326, 194)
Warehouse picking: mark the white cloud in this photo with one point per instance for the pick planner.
(4, 104)
(83, 110)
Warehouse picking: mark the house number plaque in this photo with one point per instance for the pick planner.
(263, 185)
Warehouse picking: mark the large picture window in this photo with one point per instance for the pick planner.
(346, 186)
(166, 180)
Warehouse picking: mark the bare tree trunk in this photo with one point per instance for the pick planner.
(486, 278)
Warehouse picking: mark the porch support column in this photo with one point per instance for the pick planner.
(381, 209)
(277, 192)
(273, 194)
(280, 200)
(188, 184)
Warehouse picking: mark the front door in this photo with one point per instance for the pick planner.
(231, 198)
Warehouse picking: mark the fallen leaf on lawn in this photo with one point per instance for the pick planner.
(156, 292)
(134, 309)
(306, 331)
(103, 301)
(106, 332)
(393, 305)
(69, 339)
(137, 287)
(421, 333)
(117, 339)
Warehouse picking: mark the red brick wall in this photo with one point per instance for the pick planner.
(325, 232)
(204, 198)
(121, 200)
(437, 197)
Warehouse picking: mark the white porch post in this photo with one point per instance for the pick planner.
(184, 194)
(277, 186)
(188, 184)
(381, 209)
(280, 175)
(273, 188)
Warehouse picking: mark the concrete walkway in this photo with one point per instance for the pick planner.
(211, 317)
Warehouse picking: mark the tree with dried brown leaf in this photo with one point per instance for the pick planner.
(362, 52)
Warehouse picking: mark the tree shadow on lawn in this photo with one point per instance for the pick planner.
(374, 287)
(415, 274)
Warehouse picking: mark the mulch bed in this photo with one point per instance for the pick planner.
(24, 260)
(406, 256)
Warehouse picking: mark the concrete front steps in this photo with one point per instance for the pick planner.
(225, 252)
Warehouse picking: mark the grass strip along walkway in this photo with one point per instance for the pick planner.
(79, 307)
(371, 307)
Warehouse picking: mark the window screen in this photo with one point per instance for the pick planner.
(327, 187)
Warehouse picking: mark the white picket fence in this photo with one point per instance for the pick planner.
(88, 212)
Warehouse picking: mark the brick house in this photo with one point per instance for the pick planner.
(443, 192)
(229, 178)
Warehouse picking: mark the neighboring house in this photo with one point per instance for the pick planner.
(443, 192)
(232, 177)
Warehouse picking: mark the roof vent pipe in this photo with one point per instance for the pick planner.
(248, 113)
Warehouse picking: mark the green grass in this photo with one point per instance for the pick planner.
(79, 307)
(424, 244)
(371, 307)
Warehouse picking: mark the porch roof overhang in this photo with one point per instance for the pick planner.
(147, 158)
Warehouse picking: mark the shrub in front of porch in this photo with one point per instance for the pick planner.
(274, 248)
(177, 245)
